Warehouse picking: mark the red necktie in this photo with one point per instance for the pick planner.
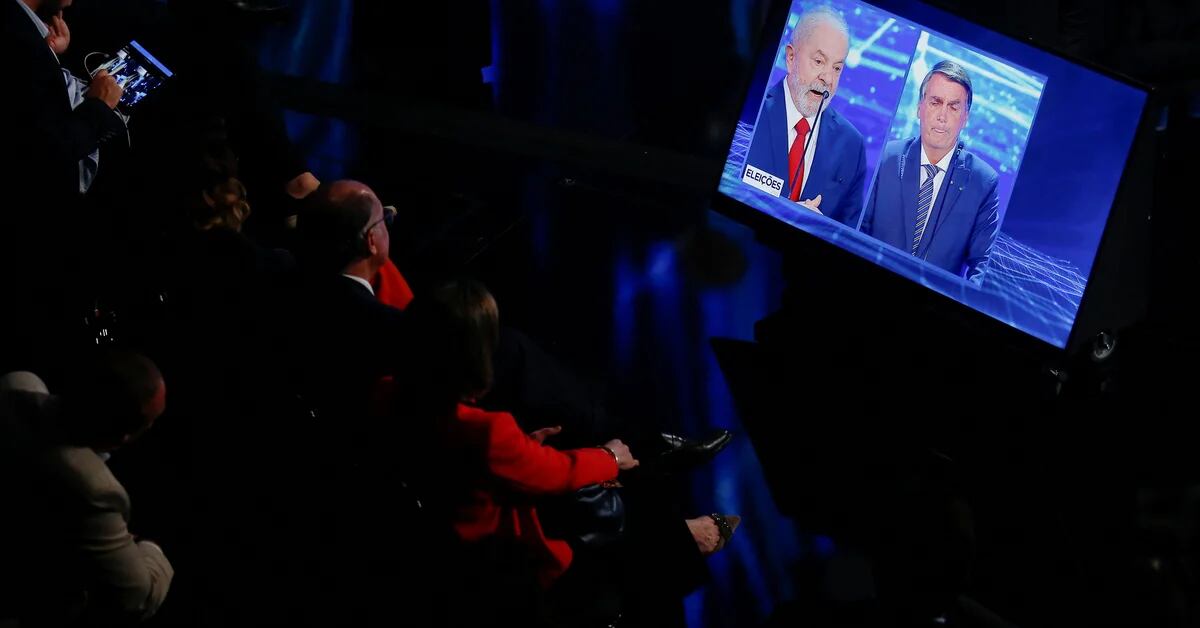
(796, 160)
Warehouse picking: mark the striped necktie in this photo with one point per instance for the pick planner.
(924, 201)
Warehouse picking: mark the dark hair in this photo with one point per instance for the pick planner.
(453, 336)
(106, 397)
(330, 228)
(221, 201)
(954, 73)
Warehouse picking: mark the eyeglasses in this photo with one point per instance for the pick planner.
(389, 214)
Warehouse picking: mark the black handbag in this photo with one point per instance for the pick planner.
(593, 516)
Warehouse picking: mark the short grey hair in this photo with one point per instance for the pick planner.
(953, 72)
(820, 13)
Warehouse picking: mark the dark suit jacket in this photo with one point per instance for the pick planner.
(962, 224)
(346, 341)
(41, 232)
(839, 164)
(67, 548)
(48, 137)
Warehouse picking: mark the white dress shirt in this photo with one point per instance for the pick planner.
(793, 117)
(938, 179)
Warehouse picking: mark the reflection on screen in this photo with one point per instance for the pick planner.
(944, 152)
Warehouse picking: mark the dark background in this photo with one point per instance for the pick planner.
(577, 182)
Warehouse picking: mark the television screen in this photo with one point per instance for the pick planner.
(979, 166)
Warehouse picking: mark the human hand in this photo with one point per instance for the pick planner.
(105, 88)
(813, 204)
(706, 534)
(302, 185)
(59, 37)
(544, 433)
(625, 459)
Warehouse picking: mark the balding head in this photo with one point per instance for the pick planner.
(114, 396)
(342, 230)
(346, 190)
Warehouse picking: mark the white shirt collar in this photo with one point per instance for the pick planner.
(362, 281)
(943, 163)
(814, 130)
(37, 21)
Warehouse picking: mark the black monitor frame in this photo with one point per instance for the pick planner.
(1117, 289)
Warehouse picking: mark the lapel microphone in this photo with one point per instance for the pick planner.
(808, 140)
(944, 191)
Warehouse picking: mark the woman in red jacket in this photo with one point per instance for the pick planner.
(480, 469)
(477, 469)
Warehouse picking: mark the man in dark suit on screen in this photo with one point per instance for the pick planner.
(932, 198)
(828, 177)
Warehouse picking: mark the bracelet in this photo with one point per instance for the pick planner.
(612, 453)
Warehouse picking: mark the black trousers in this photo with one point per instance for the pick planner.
(643, 577)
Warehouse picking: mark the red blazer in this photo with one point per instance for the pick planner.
(497, 467)
(391, 288)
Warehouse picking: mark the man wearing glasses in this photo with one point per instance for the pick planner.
(351, 337)
(373, 241)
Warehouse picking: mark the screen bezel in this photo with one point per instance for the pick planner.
(779, 234)
(152, 64)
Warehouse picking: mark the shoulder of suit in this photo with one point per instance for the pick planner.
(14, 20)
(350, 284)
(493, 424)
(24, 417)
(474, 414)
(979, 166)
(83, 475)
(776, 89)
(346, 289)
(895, 148)
(844, 127)
(24, 381)
(20, 36)
(482, 427)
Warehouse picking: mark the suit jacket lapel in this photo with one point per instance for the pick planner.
(822, 163)
(952, 187)
(910, 185)
(777, 121)
(28, 29)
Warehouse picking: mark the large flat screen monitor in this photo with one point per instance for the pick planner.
(979, 166)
